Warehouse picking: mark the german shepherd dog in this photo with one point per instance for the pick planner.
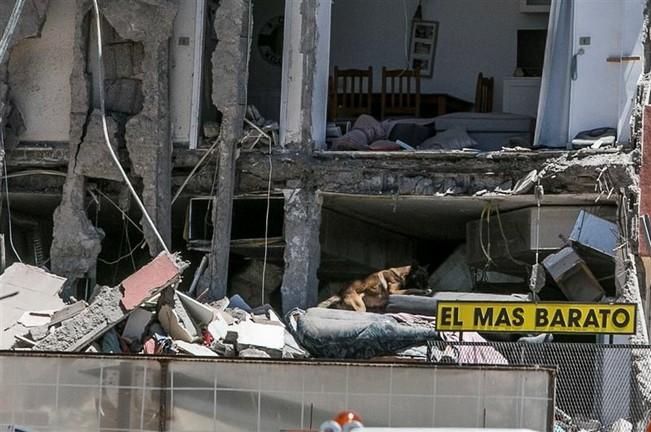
(372, 292)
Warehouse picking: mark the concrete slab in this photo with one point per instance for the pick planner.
(136, 324)
(36, 290)
(150, 279)
(195, 349)
(269, 338)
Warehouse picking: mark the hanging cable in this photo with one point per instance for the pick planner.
(4, 167)
(266, 226)
(194, 171)
(102, 102)
(10, 29)
(118, 208)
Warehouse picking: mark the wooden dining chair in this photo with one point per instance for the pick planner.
(484, 94)
(400, 93)
(351, 93)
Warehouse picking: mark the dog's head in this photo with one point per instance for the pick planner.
(418, 277)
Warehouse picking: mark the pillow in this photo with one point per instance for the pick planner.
(365, 131)
(385, 145)
(451, 139)
(411, 133)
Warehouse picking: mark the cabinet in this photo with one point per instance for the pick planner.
(521, 95)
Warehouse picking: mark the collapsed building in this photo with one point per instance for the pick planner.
(266, 151)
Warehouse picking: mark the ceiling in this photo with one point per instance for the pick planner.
(434, 217)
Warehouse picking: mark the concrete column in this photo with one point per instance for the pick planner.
(230, 78)
(147, 134)
(300, 285)
(306, 63)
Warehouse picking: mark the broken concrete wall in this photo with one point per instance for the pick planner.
(137, 87)
(30, 25)
(230, 77)
(71, 257)
(39, 75)
(148, 133)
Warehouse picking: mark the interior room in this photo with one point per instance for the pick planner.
(459, 239)
(482, 75)
(479, 57)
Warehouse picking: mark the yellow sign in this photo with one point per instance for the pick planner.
(521, 317)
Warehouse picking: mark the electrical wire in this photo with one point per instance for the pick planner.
(124, 214)
(10, 29)
(266, 223)
(102, 102)
(266, 226)
(6, 182)
(123, 257)
(194, 171)
(27, 173)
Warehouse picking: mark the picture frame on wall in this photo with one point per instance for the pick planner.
(424, 35)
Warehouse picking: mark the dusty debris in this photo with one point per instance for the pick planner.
(107, 309)
(25, 289)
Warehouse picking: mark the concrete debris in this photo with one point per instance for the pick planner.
(170, 322)
(149, 280)
(136, 324)
(26, 288)
(38, 333)
(267, 338)
(223, 349)
(621, 425)
(218, 328)
(108, 307)
(254, 353)
(35, 318)
(67, 312)
(195, 349)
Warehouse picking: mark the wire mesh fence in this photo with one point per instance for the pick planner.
(597, 385)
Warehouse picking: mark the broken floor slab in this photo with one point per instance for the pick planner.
(25, 288)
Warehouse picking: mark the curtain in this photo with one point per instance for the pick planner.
(554, 108)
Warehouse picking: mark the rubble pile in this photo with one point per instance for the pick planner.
(146, 314)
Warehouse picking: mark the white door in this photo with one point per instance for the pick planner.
(631, 64)
(607, 35)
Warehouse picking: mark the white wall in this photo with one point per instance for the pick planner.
(474, 36)
(39, 76)
(181, 71)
